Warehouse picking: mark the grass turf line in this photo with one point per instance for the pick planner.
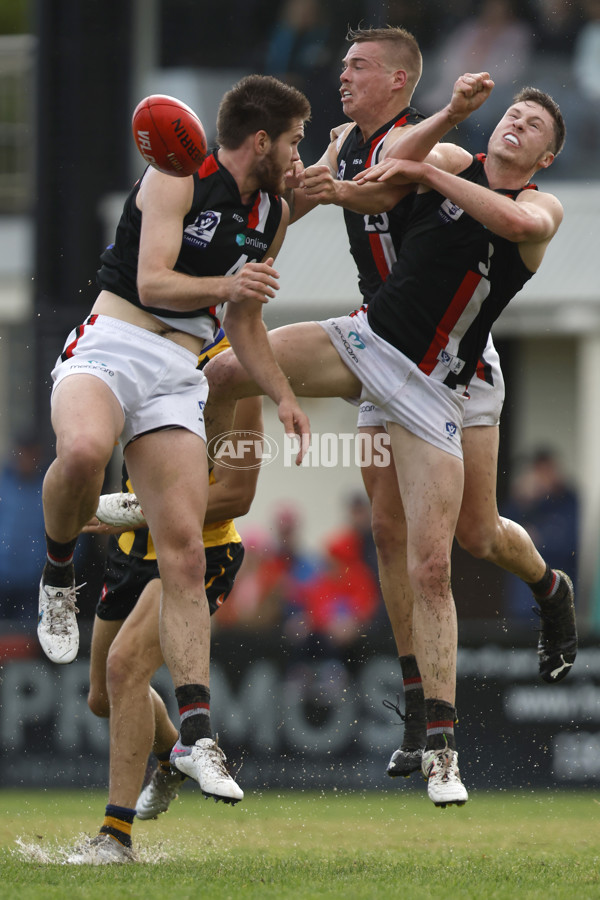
(543, 844)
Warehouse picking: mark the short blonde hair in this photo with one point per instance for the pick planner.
(404, 52)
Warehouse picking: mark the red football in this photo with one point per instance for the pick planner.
(169, 135)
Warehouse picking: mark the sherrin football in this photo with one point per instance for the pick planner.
(169, 135)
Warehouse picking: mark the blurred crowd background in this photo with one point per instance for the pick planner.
(325, 599)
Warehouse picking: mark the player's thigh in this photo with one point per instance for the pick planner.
(137, 645)
(380, 479)
(431, 485)
(480, 455)
(103, 635)
(170, 474)
(311, 362)
(84, 407)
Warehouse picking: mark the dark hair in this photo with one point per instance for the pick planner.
(404, 52)
(258, 103)
(534, 95)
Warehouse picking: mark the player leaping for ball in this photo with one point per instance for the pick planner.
(475, 235)
(379, 75)
(128, 373)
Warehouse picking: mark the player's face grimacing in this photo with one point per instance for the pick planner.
(524, 133)
(280, 158)
(364, 78)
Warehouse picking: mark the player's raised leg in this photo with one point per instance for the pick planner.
(70, 494)
(487, 535)
(304, 353)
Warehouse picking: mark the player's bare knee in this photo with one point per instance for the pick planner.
(389, 535)
(123, 670)
(430, 574)
(183, 561)
(83, 458)
(98, 703)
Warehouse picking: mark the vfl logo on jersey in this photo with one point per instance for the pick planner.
(341, 170)
(377, 224)
(201, 232)
(449, 211)
(451, 362)
(451, 430)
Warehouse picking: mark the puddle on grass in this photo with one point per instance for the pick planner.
(43, 853)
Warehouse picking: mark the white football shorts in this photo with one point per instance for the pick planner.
(391, 381)
(483, 401)
(155, 380)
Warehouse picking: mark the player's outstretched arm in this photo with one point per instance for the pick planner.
(320, 186)
(469, 94)
(248, 338)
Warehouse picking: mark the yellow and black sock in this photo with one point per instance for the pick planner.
(118, 821)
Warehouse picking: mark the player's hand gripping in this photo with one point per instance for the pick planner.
(319, 184)
(394, 171)
(254, 281)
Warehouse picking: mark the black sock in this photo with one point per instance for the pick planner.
(415, 726)
(194, 708)
(58, 570)
(441, 717)
(117, 823)
(546, 586)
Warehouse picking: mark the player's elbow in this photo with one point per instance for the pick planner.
(528, 229)
(151, 291)
(145, 291)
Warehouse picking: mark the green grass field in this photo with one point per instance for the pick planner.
(288, 845)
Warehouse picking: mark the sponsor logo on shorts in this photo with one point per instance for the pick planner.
(94, 365)
(451, 430)
(454, 363)
(346, 344)
(202, 230)
(356, 340)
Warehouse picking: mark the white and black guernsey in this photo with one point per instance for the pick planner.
(452, 279)
(220, 235)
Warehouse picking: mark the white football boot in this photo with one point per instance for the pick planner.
(57, 629)
(444, 787)
(120, 510)
(100, 851)
(205, 763)
(158, 794)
